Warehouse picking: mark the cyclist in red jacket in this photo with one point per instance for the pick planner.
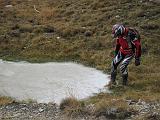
(127, 47)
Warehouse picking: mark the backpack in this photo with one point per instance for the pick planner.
(133, 34)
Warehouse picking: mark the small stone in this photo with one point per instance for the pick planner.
(16, 115)
(24, 108)
(15, 33)
(49, 29)
(117, 16)
(9, 6)
(41, 109)
(58, 38)
(88, 33)
(113, 110)
(139, 102)
(129, 102)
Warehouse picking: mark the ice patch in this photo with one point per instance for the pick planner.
(49, 82)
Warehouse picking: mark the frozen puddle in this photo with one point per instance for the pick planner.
(49, 82)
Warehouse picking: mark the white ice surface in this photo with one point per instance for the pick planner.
(49, 82)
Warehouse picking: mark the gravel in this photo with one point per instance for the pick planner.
(51, 111)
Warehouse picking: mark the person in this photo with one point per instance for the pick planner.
(127, 47)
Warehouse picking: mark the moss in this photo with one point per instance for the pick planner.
(26, 28)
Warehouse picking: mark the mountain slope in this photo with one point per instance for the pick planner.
(80, 30)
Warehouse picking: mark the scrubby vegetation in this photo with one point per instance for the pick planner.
(72, 107)
(5, 100)
(80, 30)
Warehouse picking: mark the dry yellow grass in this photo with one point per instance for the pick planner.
(46, 14)
(72, 107)
(5, 100)
(105, 104)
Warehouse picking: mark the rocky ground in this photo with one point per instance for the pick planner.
(42, 111)
(150, 111)
(34, 111)
(24, 111)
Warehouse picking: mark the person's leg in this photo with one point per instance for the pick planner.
(123, 68)
(114, 65)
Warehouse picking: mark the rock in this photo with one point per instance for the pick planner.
(139, 102)
(58, 38)
(9, 6)
(15, 33)
(48, 35)
(41, 109)
(154, 1)
(130, 102)
(88, 33)
(102, 118)
(117, 16)
(111, 113)
(16, 115)
(90, 108)
(49, 29)
(24, 109)
(153, 116)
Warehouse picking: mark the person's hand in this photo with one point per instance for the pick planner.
(137, 61)
(112, 54)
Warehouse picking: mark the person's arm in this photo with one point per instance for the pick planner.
(117, 47)
(137, 45)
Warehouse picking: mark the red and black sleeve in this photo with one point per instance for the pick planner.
(117, 47)
(137, 45)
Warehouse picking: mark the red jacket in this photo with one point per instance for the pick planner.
(129, 43)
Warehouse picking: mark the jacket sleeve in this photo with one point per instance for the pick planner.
(137, 45)
(117, 47)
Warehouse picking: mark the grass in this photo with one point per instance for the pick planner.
(79, 30)
(72, 107)
(5, 100)
(105, 106)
